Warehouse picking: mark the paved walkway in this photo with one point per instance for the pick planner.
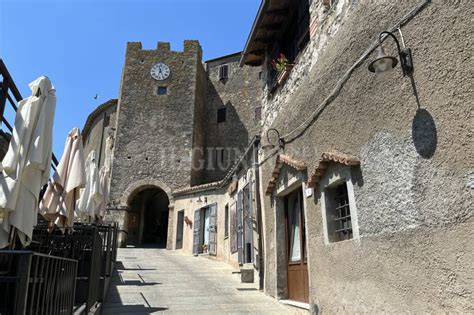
(159, 281)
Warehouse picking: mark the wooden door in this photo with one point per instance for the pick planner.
(179, 230)
(213, 229)
(298, 288)
(248, 224)
(197, 249)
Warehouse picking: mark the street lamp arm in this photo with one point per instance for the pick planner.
(394, 38)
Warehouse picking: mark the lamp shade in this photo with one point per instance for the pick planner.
(382, 62)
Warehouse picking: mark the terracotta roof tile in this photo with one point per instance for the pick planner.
(197, 188)
(326, 158)
(280, 160)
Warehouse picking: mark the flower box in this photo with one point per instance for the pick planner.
(283, 75)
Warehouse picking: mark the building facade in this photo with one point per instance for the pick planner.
(328, 186)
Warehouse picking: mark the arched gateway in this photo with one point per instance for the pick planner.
(148, 203)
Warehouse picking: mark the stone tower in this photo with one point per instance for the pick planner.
(159, 123)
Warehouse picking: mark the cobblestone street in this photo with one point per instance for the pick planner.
(159, 281)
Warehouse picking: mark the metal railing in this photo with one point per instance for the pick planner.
(83, 243)
(34, 283)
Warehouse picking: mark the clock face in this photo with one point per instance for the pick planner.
(160, 71)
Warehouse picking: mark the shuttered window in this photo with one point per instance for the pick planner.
(226, 221)
(233, 228)
(223, 72)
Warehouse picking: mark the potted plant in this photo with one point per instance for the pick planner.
(204, 248)
(283, 67)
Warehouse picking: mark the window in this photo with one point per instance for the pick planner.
(258, 113)
(294, 38)
(223, 72)
(226, 221)
(341, 227)
(221, 115)
(162, 90)
(338, 204)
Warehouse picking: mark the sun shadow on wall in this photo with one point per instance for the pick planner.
(423, 128)
(424, 133)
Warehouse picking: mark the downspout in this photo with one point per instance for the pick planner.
(261, 264)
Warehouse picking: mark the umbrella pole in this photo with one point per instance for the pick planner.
(13, 234)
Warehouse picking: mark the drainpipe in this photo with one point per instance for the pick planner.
(261, 271)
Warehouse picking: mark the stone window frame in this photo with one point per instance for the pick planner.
(332, 178)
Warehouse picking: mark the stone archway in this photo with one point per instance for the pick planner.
(143, 184)
(149, 206)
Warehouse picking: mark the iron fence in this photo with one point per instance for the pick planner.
(82, 243)
(34, 283)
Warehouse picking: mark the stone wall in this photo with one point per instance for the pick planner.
(413, 201)
(154, 137)
(95, 133)
(240, 95)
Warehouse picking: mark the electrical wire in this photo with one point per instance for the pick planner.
(301, 129)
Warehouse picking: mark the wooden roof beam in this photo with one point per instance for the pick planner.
(277, 12)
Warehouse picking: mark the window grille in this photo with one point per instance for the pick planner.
(221, 115)
(342, 213)
(223, 72)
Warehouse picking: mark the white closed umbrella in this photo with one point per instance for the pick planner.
(59, 200)
(91, 195)
(104, 185)
(26, 166)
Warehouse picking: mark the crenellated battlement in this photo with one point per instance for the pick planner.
(190, 46)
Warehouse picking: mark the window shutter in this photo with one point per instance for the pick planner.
(240, 227)
(213, 229)
(233, 228)
(223, 72)
(197, 232)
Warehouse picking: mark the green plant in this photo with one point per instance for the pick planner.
(279, 63)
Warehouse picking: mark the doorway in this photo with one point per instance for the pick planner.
(298, 287)
(179, 230)
(205, 230)
(148, 218)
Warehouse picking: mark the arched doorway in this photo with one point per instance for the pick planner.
(148, 218)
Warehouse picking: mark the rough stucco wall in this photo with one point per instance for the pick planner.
(413, 203)
(240, 95)
(189, 204)
(154, 133)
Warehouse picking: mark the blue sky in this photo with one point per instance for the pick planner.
(80, 44)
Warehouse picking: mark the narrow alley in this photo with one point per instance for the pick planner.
(159, 281)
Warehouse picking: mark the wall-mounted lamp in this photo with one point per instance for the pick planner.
(270, 145)
(384, 62)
